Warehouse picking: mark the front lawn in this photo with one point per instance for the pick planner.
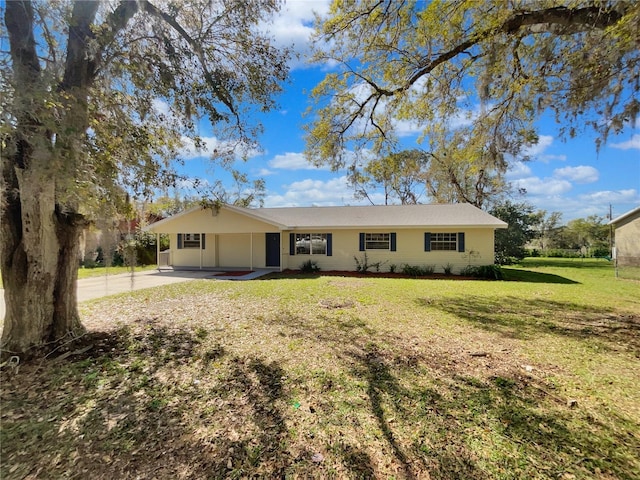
(102, 271)
(341, 377)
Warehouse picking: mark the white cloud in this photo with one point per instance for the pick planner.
(544, 142)
(536, 152)
(593, 203)
(292, 161)
(335, 191)
(518, 170)
(264, 172)
(540, 186)
(606, 197)
(579, 174)
(632, 144)
(191, 183)
(293, 27)
(161, 107)
(211, 146)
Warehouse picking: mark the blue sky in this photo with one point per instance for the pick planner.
(566, 176)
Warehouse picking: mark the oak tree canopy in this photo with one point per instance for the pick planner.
(472, 77)
(98, 98)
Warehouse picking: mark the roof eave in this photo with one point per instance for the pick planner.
(624, 216)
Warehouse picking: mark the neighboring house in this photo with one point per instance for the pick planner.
(284, 238)
(627, 238)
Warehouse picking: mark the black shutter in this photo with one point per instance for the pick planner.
(329, 244)
(292, 244)
(362, 242)
(461, 242)
(179, 241)
(202, 241)
(427, 241)
(393, 241)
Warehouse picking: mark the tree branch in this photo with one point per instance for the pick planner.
(219, 93)
(579, 19)
(18, 18)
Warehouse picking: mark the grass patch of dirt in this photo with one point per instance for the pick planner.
(336, 378)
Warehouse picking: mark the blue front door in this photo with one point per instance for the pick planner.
(273, 249)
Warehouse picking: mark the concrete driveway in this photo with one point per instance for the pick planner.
(96, 287)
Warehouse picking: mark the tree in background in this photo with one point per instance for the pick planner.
(463, 171)
(100, 96)
(401, 176)
(589, 235)
(510, 242)
(549, 230)
(409, 176)
(473, 74)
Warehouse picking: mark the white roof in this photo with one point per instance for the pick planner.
(390, 216)
(432, 215)
(624, 216)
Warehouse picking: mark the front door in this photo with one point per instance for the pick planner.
(273, 249)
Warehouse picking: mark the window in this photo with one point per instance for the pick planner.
(444, 241)
(377, 241)
(311, 243)
(191, 240)
(450, 242)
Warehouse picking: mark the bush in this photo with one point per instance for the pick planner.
(418, 271)
(447, 269)
(363, 265)
(502, 259)
(469, 271)
(600, 252)
(489, 272)
(392, 268)
(309, 266)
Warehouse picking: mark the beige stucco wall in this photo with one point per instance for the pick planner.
(409, 250)
(235, 240)
(207, 221)
(242, 250)
(627, 238)
(226, 250)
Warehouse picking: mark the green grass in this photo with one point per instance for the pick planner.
(102, 271)
(336, 377)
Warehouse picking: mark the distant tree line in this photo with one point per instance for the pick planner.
(540, 233)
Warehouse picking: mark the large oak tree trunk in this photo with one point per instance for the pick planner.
(39, 265)
(39, 224)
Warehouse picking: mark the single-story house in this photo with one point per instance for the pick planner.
(457, 235)
(627, 238)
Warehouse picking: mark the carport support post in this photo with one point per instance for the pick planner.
(251, 251)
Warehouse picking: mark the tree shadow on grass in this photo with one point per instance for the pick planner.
(457, 411)
(154, 401)
(435, 420)
(527, 318)
(151, 403)
(388, 402)
(511, 411)
(519, 275)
